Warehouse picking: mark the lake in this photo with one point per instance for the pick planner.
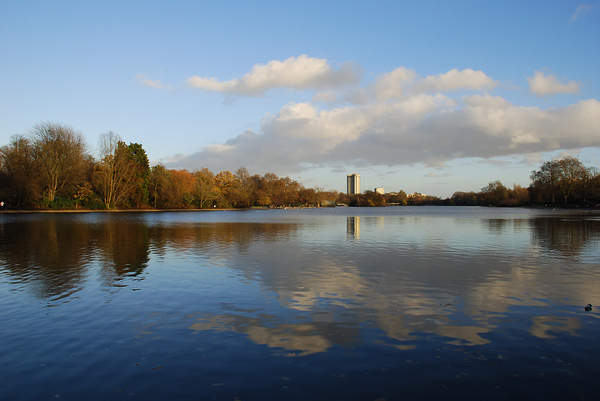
(303, 304)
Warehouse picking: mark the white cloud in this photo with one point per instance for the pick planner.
(399, 119)
(419, 128)
(337, 86)
(145, 81)
(325, 97)
(393, 84)
(302, 72)
(403, 81)
(581, 9)
(541, 85)
(457, 80)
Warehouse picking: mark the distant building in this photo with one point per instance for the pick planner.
(380, 190)
(353, 184)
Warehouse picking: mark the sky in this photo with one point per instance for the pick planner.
(425, 96)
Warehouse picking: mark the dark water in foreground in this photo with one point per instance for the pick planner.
(331, 304)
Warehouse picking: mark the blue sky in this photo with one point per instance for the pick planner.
(301, 88)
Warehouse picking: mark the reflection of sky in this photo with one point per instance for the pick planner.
(304, 281)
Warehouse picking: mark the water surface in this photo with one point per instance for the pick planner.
(345, 303)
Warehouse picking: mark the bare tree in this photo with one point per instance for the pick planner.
(115, 174)
(60, 154)
(560, 177)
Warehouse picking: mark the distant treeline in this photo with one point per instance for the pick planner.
(565, 182)
(53, 169)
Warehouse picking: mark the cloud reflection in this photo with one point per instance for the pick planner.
(458, 278)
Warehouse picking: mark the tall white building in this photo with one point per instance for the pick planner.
(353, 184)
(380, 190)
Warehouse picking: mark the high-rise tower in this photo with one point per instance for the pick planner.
(353, 184)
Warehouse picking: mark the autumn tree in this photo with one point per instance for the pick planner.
(20, 180)
(245, 188)
(158, 185)
(399, 197)
(494, 193)
(460, 198)
(308, 197)
(181, 189)
(205, 191)
(518, 196)
(228, 187)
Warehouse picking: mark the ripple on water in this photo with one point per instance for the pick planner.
(151, 305)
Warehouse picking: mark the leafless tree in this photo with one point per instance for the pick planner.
(115, 174)
(60, 153)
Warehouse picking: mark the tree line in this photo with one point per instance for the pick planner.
(52, 168)
(564, 182)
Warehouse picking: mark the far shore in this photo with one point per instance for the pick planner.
(31, 211)
(16, 211)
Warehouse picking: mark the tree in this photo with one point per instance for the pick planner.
(246, 188)
(518, 195)
(181, 188)
(116, 174)
(60, 154)
(494, 193)
(158, 183)
(227, 184)
(20, 181)
(465, 198)
(140, 194)
(205, 191)
(559, 179)
(594, 188)
(400, 198)
(572, 174)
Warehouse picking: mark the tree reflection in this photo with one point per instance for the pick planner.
(124, 248)
(497, 226)
(568, 236)
(406, 286)
(206, 236)
(53, 253)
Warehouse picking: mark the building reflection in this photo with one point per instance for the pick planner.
(353, 227)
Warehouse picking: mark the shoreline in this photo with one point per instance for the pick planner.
(30, 211)
(72, 211)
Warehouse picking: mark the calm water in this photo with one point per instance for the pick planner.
(365, 304)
